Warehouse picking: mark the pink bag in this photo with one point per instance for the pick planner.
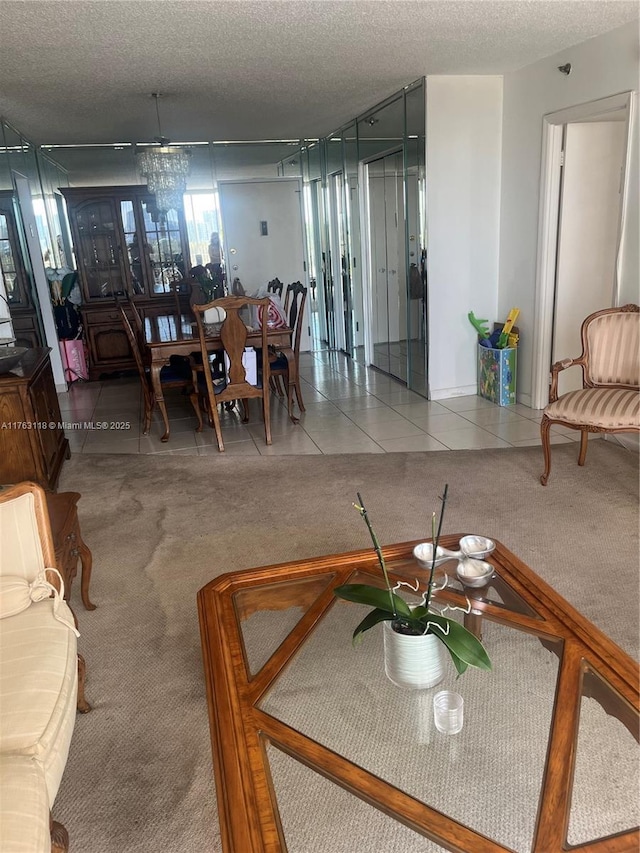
(276, 318)
(74, 360)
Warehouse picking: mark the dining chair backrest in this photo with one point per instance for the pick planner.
(294, 303)
(233, 338)
(295, 300)
(138, 322)
(275, 286)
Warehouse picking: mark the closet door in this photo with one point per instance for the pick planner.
(396, 274)
(389, 307)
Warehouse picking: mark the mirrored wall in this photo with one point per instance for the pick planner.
(365, 206)
(364, 216)
(34, 240)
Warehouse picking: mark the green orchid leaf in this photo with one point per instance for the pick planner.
(419, 612)
(362, 593)
(460, 642)
(460, 665)
(369, 621)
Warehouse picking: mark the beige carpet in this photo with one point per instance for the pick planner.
(139, 776)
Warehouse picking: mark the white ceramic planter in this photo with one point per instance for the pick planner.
(414, 661)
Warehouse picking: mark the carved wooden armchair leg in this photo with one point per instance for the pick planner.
(83, 706)
(584, 443)
(545, 426)
(59, 837)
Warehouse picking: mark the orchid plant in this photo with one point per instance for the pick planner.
(463, 646)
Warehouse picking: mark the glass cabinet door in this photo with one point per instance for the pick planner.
(8, 269)
(12, 271)
(99, 242)
(163, 249)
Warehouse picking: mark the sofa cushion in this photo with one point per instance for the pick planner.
(21, 552)
(607, 408)
(24, 816)
(38, 686)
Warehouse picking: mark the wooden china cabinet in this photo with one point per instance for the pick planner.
(22, 309)
(123, 247)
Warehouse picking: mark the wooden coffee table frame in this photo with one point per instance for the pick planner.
(590, 664)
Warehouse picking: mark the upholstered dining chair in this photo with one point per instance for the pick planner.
(295, 299)
(609, 400)
(234, 383)
(178, 374)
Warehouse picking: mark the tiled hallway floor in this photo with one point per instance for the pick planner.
(349, 409)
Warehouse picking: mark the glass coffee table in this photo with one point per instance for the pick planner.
(316, 751)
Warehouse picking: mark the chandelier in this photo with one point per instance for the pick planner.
(165, 169)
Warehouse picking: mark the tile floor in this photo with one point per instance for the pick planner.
(349, 409)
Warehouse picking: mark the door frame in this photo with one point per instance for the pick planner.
(548, 220)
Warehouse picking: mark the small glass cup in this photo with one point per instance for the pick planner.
(448, 710)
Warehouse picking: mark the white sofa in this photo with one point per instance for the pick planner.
(38, 675)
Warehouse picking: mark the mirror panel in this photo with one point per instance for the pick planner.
(372, 303)
(375, 317)
(352, 286)
(417, 372)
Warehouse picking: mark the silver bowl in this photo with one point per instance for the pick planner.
(472, 572)
(424, 555)
(9, 357)
(477, 547)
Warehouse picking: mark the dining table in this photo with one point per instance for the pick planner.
(172, 334)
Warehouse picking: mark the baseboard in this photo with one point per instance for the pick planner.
(525, 399)
(448, 393)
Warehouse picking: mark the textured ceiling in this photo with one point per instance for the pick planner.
(81, 71)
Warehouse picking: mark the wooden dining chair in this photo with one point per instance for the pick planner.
(295, 300)
(233, 384)
(178, 374)
(275, 286)
(138, 321)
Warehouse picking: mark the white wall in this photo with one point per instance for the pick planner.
(602, 66)
(464, 116)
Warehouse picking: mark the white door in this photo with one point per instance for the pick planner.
(388, 265)
(263, 236)
(588, 233)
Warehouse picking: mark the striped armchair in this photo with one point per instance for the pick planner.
(609, 400)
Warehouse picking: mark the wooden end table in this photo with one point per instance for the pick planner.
(293, 707)
(69, 544)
